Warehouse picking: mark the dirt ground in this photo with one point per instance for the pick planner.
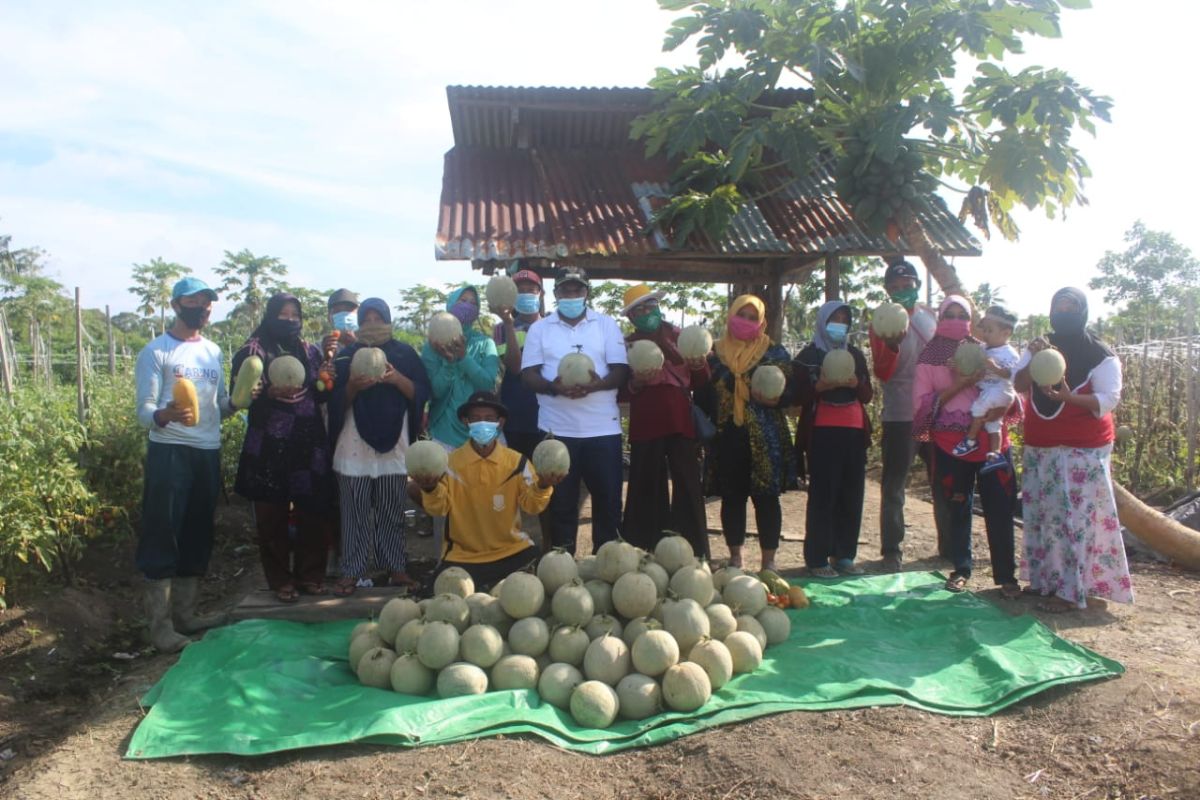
(72, 666)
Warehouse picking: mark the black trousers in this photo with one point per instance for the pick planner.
(955, 480)
(897, 449)
(837, 475)
(488, 575)
(653, 505)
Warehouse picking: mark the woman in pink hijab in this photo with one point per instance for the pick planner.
(942, 412)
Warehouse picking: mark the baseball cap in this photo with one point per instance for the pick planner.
(343, 296)
(901, 269)
(527, 275)
(573, 275)
(189, 286)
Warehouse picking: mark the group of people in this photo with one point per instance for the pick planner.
(326, 459)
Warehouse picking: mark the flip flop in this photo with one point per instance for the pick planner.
(314, 588)
(1010, 591)
(287, 593)
(956, 583)
(345, 587)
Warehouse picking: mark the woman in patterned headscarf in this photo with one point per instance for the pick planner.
(750, 457)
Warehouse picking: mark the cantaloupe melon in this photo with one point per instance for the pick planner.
(694, 342)
(889, 321)
(551, 458)
(501, 292)
(286, 372)
(837, 366)
(368, 361)
(575, 369)
(1047, 367)
(426, 459)
(444, 328)
(969, 358)
(768, 381)
(645, 357)
(249, 374)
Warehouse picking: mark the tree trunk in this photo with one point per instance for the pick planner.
(1158, 531)
(941, 270)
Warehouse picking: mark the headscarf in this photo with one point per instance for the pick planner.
(942, 348)
(272, 345)
(366, 331)
(453, 299)
(1082, 351)
(740, 357)
(821, 338)
(379, 410)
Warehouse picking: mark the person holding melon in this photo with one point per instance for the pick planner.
(942, 397)
(995, 388)
(750, 458)
(894, 362)
(662, 435)
(834, 432)
(1073, 545)
(285, 466)
(373, 418)
(181, 399)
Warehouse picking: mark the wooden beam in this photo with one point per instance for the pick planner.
(833, 277)
(774, 300)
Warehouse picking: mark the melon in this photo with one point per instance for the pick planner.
(745, 594)
(1047, 367)
(587, 568)
(722, 576)
(369, 362)
(604, 625)
(969, 358)
(249, 374)
(406, 639)
(514, 672)
(492, 613)
(557, 568)
(649, 566)
(363, 627)
(752, 626)
(444, 328)
(551, 459)
(890, 321)
(557, 683)
(721, 620)
(634, 595)
(645, 357)
(594, 704)
(714, 658)
(426, 459)
(639, 696)
(375, 668)
(575, 369)
(693, 582)
(522, 595)
(501, 292)
(654, 652)
(477, 602)
(454, 580)
(687, 622)
(606, 660)
(183, 395)
(744, 650)
(437, 645)
(410, 676)
(449, 608)
(673, 552)
(694, 342)
(775, 623)
(1124, 434)
(461, 679)
(364, 642)
(573, 604)
(481, 645)
(601, 592)
(615, 558)
(768, 382)
(837, 366)
(568, 644)
(397, 612)
(636, 627)
(686, 687)
(286, 372)
(530, 636)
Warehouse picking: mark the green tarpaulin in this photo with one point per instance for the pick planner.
(265, 686)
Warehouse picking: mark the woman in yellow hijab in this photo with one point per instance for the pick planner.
(749, 456)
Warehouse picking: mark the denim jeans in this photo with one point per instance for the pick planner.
(954, 486)
(179, 499)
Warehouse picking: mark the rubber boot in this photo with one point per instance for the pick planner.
(185, 592)
(163, 635)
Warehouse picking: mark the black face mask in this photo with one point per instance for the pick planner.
(285, 330)
(1068, 323)
(192, 316)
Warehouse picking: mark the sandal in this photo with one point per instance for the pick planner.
(345, 586)
(846, 566)
(313, 588)
(956, 583)
(1011, 591)
(287, 593)
(823, 572)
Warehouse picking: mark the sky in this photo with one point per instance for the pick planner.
(314, 131)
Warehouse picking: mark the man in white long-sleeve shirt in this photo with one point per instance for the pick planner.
(183, 458)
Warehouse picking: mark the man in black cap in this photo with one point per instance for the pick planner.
(342, 307)
(483, 492)
(895, 364)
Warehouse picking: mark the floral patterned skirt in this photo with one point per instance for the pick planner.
(1073, 544)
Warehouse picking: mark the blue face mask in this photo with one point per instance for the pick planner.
(572, 307)
(836, 331)
(528, 303)
(345, 321)
(483, 433)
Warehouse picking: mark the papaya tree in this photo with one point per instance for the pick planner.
(902, 99)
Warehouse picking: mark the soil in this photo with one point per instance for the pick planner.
(73, 665)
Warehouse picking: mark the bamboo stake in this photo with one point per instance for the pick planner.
(112, 344)
(1190, 375)
(5, 370)
(80, 400)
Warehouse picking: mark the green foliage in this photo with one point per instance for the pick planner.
(248, 281)
(417, 305)
(152, 284)
(885, 104)
(314, 304)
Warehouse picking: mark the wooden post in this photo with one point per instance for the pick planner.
(79, 395)
(5, 370)
(774, 301)
(112, 344)
(833, 277)
(1190, 374)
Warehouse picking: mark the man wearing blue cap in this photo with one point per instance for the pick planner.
(183, 458)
